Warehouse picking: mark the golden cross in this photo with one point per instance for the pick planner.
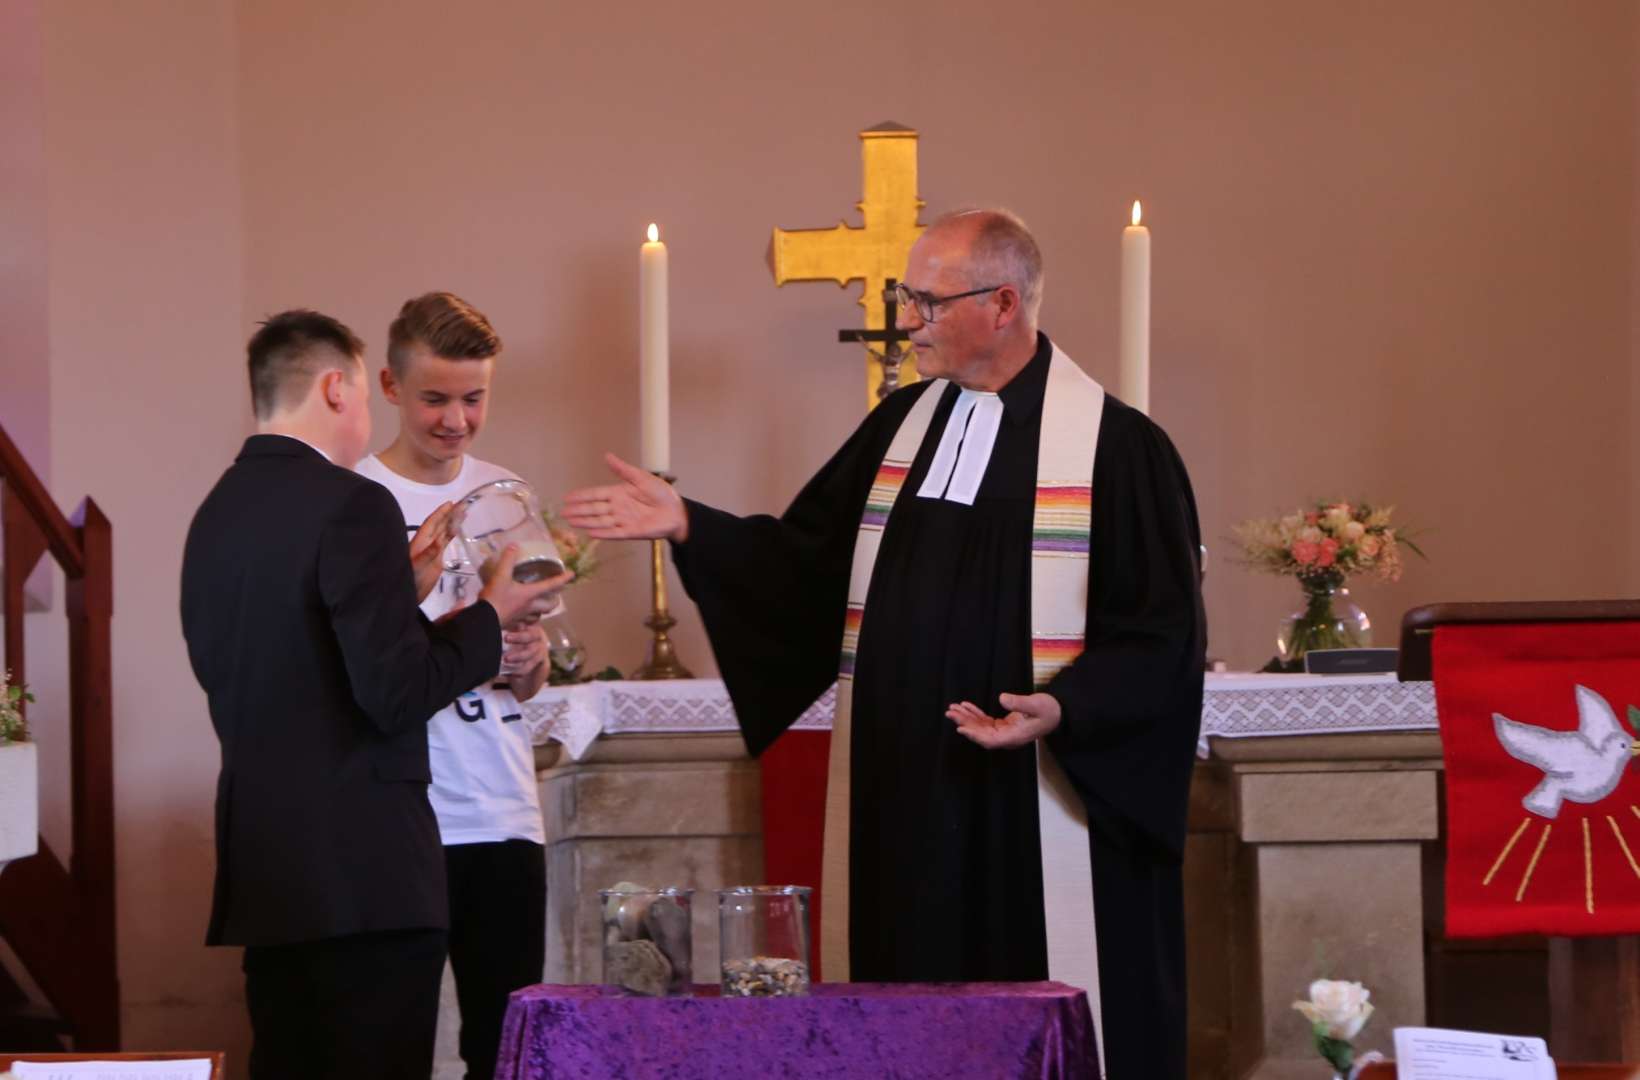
(875, 252)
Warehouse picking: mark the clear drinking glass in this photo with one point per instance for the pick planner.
(564, 650)
(648, 939)
(507, 512)
(764, 938)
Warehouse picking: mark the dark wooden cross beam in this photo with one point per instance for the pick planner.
(891, 337)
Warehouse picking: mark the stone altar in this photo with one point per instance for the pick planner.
(1314, 815)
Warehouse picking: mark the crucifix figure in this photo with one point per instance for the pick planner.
(893, 354)
(874, 253)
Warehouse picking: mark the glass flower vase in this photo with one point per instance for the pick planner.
(1329, 619)
(565, 652)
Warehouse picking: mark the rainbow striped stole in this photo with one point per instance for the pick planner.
(1063, 521)
(851, 638)
(1050, 654)
(885, 491)
(1062, 524)
(1060, 532)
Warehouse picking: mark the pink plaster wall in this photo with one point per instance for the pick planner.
(25, 373)
(1394, 259)
(146, 259)
(25, 368)
(1391, 245)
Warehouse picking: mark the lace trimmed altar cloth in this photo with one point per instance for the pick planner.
(1235, 706)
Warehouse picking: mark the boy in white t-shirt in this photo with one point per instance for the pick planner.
(440, 357)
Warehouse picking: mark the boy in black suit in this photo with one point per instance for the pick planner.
(299, 606)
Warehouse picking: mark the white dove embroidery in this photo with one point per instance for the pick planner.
(1584, 765)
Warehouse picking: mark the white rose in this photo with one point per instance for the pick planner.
(1310, 533)
(1353, 532)
(1338, 516)
(1341, 1006)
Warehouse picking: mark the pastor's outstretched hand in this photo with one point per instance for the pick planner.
(1030, 717)
(641, 506)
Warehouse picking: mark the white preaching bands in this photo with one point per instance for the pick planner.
(965, 449)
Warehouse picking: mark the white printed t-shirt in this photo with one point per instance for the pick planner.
(483, 764)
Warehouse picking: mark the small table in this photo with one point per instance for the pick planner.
(839, 1030)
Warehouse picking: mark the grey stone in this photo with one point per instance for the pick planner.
(639, 966)
(668, 926)
(626, 913)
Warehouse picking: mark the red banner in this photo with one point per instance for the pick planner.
(1542, 801)
(794, 818)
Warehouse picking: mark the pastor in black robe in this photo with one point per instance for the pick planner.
(945, 863)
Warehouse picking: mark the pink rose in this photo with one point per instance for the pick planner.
(1368, 545)
(1305, 552)
(1311, 518)
(1329, 553)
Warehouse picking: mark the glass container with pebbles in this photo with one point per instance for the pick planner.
(764, 937)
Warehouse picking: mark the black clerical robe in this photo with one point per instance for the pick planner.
(945, 864)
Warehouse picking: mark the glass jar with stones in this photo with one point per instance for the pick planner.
(764, 938)
(494, 515)
(648, 939)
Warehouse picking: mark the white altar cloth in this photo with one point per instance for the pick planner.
(1235, 706)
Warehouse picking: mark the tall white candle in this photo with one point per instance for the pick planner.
(655, 450)
(1134, 384)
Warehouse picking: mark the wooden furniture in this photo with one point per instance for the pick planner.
(1418, 625)
(58, 915)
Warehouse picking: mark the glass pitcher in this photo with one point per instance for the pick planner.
(506, 512)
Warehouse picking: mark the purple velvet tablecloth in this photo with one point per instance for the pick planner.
(840, 1030)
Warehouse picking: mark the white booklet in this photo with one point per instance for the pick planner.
(1438, 1054)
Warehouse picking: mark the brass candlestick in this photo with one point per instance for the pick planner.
(662, 662)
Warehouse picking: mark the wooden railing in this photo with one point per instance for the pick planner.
(60, 921)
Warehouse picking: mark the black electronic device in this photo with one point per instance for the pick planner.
(1350, 661)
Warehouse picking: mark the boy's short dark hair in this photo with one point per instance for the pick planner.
(288, 351)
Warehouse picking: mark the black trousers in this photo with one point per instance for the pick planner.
(361, 1007)
(498, 942)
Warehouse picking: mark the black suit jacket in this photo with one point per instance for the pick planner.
(299, 608)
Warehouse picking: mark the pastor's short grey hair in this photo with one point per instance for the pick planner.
(1004, 252)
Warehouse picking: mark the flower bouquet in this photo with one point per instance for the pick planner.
(13, 728)
(19, 776)
(1322, 546)
(579, 552)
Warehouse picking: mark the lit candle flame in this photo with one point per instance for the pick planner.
(655, 231)
(1135, 213)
